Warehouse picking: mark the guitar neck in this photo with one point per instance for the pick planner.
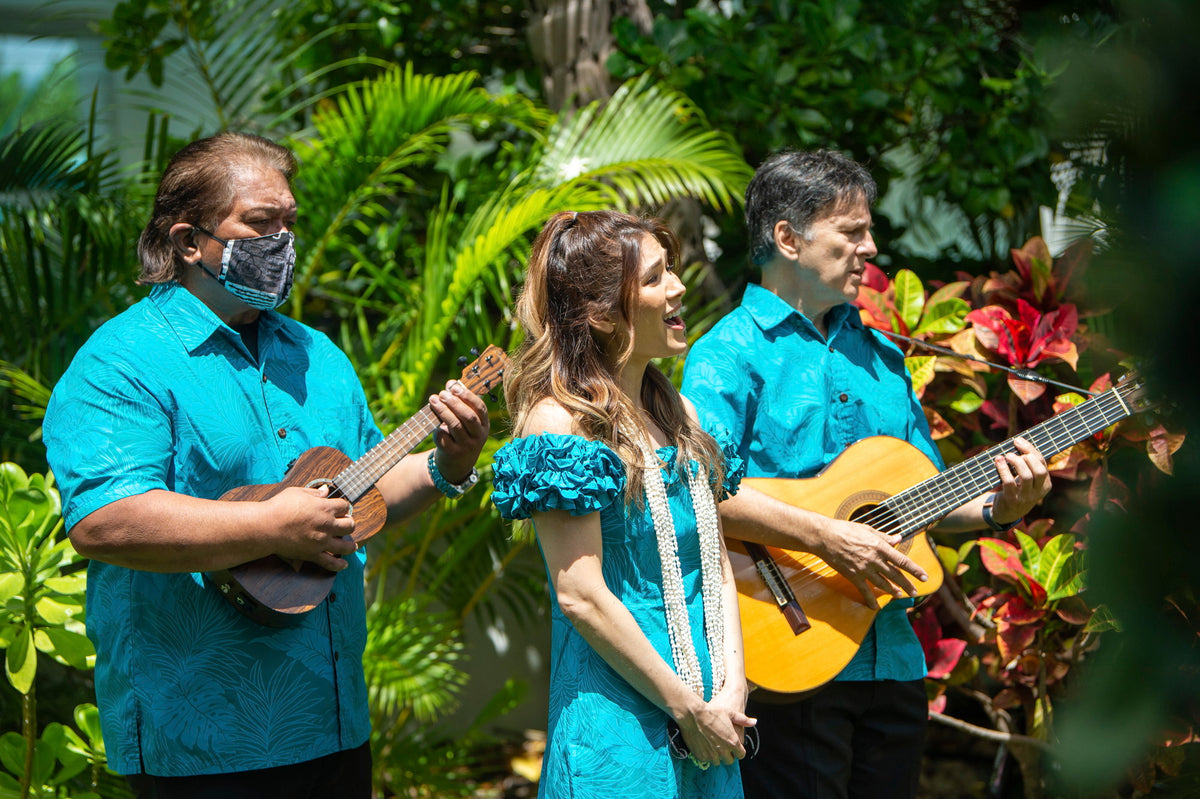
(916, 509)
(357, 478)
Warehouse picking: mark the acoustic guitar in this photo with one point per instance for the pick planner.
(802, 621)
(274, 591)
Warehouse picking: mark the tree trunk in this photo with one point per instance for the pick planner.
(572, 40)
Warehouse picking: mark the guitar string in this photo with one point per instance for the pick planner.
(1100, 407)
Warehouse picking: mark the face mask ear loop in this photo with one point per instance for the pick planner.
(226, 255)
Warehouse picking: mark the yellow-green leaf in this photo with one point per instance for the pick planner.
(20, 662)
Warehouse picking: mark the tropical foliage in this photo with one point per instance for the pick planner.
(428, 163)
(1013, 622)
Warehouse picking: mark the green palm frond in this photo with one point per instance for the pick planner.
(40, 162)
(367, 142)
(650, 145)
(411, 660)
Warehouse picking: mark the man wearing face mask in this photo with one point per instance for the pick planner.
(197, 389)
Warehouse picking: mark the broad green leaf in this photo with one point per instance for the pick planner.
(921, 367)
(71, 584)
(966, 401)
(54, 612)
(68, 647)
(1031, 555)
(1102, 621)
(949, 559)
(12, 753)
(11, 585)
(1059, 565)
(20, 663)
(910, 297)
(945, 317)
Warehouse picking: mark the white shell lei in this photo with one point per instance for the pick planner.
(683, 651)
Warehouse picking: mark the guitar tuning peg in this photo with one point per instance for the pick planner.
(462, 362)
(475, 351)
(492, 396)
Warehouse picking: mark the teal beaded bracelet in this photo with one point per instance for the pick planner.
(451, 490)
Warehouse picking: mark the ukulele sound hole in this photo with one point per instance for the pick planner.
(334, 491)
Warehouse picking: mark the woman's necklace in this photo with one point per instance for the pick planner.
(683, 651)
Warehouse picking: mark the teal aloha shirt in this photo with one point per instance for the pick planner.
(166, 396)
(793, 401)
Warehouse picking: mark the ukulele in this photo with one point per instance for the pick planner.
(274, 591)
(802, 622)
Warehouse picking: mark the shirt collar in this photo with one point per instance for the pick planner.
(769, 311)
(195, 323)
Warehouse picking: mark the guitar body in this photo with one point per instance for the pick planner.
(273, 591)
(779, 659)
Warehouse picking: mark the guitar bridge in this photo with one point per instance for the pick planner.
(768, 570)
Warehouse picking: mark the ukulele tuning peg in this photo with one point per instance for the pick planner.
(475, 351)
(462, 362)
(492, 396)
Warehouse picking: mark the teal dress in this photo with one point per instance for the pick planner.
(604, 739)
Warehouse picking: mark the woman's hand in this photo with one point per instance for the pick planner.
(715, 730)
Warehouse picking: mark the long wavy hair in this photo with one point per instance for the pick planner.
(585, 267)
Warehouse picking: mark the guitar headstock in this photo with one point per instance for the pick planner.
(485, 373)
(1131, 388)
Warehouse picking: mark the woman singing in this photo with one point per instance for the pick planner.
(647, 685)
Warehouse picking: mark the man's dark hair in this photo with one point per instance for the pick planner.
(801, 187)
(197, 187)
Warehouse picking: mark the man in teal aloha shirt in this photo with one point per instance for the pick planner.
(195, 390)
(797, 378)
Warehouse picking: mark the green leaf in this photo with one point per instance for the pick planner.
(1031, 555)
(1102, 621)
(71, 584)
(11, 585)
(966, 401)
(921, 367)
(910, 297)
(72, 648)
(1062, 567)
(12, 753)
(945, 317)
(20, 663)
(54, 612)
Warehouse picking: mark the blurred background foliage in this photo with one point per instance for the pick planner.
(437, 136)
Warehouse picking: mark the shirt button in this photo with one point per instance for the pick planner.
(282, 433)
(333, 596)
(264, 378)
(842, 397)
(830, 349)
(335, 657)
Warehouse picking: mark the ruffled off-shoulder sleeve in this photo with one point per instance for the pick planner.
(551, 471)
(735, 465)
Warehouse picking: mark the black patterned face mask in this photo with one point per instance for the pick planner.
(258, 271)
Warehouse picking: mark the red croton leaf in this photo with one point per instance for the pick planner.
(1073, 610)
(875, 278)
(1008, 699)
(1017, 611)
(1027, 339)
(1003, 559)
(1014, 639)
(947, 653)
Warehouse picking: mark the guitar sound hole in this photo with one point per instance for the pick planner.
(882, 519)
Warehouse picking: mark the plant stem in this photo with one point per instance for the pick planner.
(1007, 738)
